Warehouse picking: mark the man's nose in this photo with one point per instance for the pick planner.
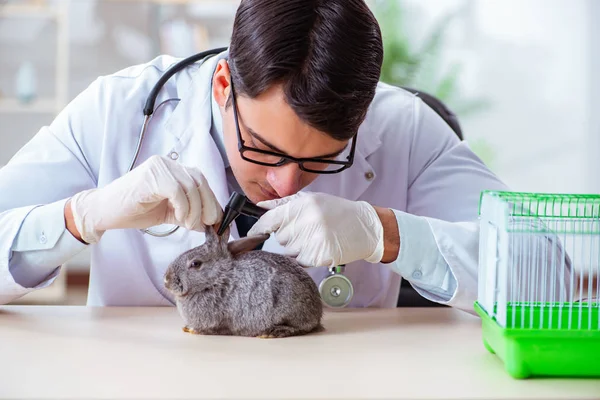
(286, 180)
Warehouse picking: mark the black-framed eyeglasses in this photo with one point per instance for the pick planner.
(276, 159)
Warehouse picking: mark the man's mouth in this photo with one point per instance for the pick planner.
(267, 193)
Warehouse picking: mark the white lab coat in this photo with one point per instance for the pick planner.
(407, 159)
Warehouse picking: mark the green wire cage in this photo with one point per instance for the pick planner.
(539, 282)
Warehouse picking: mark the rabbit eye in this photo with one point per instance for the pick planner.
(195, 264)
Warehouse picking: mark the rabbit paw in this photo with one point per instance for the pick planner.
(190, 330)
(280, 331)
(266, 337)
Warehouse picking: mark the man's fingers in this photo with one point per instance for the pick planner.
(196, 204)
(188, 180)
(211, 212)
(271, 204)
(169, 181)
(310, 260)
(175, 193)
(272, 219)
(269, 222)
(291, 252)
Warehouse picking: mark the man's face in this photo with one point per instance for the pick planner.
(268, 123)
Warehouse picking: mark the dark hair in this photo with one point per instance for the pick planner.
(327, 54)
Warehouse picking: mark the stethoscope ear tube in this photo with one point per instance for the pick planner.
(149, 105)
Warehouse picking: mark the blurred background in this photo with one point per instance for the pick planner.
(520, 75)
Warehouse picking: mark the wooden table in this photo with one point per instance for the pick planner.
(83, 352)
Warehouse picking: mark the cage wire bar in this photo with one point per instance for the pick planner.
(540, 265)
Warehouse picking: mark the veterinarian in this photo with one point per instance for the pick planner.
(299, 80)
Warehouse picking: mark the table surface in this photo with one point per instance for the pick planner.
(88, 352)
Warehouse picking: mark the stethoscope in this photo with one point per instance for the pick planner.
(149, 110)
(335, 289)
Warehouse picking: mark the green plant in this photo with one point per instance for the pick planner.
(419, 66)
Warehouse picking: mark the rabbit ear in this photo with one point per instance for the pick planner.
(239, 246)
(211, 234)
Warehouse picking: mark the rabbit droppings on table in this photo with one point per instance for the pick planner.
(225, 288)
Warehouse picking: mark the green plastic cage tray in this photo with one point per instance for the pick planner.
(562, 351)
(539, 282)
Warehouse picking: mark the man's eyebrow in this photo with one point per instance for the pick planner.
(263, 141)
(274, 148)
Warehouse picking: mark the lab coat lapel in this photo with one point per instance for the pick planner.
(190, 123)
(353, 182)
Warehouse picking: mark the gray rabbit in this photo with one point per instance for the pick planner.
(226, 288)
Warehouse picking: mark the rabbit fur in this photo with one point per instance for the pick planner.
(226, 288)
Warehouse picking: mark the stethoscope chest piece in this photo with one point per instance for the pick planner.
(336, 289)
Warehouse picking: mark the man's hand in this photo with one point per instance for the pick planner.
(159, 191)
(323, 230)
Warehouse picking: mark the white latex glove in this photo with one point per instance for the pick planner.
(158, 191)
(323, 230)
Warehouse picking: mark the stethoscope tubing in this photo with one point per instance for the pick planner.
(149, 111)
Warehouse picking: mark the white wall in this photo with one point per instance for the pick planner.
(593, 159)
(531, 60)
(104, 36)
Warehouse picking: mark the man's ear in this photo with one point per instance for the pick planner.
(239, 246)
(221, 83)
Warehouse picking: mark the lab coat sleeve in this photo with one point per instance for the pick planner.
(439, 259)
(41, 245)
(419, 260)
(439, 231)
(61, 160)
